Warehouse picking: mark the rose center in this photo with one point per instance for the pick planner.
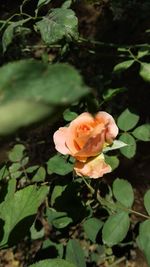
(82, 134)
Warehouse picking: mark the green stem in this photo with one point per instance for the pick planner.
(99, 43)
(117, 262)
(8, 21)
(108, 204)
(133, 56)
(81, 39)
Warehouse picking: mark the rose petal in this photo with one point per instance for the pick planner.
(59, 138)
(93, 146)
(111, 127)
(93, 168)
(73, 142)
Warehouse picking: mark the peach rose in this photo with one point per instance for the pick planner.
(86, 136)
(94, 167)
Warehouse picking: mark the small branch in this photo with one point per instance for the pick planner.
(117, 262)
(107, 203)
(81, 39)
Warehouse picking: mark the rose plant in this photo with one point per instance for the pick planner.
(45, 210)
(84, 139)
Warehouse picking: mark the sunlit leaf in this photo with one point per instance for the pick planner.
(58, 219)
(122, 189)
(16, 153)
(123, 65)
(58, 24)
(39, 175)
(59, 165)
(129, 150)
(91, 227)
(117, 144)
(53, 263)
(43, 2)
(115, 228)
(113, 161)
(143, 239)
(127, 120)
(22, 205)
(145, 71)
(75, 254)
(142, 132)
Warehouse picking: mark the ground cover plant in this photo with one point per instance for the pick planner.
(74, 133)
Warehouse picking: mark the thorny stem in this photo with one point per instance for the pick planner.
(109, 204)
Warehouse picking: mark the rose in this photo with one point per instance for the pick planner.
(84, 139)
(86, 136)
(94, 167)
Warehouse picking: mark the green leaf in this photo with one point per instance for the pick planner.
(14, 167)
(40, 175)
(117, 144)
(67, 4)
(123, 65)
(127, 120)
(60, 23)
(130, 150)
(143, 239)
(110, 93)
(123, 192)
(67, 199)
(9, 33)
(53, 263)
(19, 113)
(42, 3)
(113, 161)
(11, 188)
(24, 161)
(69, 115)
(14, 173)
(115, 228)
(58, 219)
(3, 172)
(32, 168)
(147, 201)
(145, 71)
(142, 52)
(33, 79)
(19, 207)
(59, 247)
(58, 160)
(142, 132)
(16, 153)
(57, 192)
(91, 227)
(75, 254)
(61, 222)
(30, 90)
(35, 234)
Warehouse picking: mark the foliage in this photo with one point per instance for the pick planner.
(32, 88)
(52, 263)
(50, 73)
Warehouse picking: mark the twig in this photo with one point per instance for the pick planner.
(117, 262)
(109, 204)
